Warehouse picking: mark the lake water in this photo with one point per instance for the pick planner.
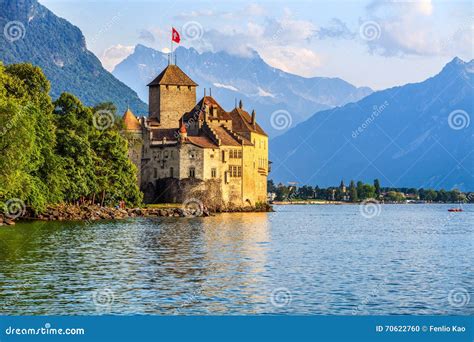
(326, 259)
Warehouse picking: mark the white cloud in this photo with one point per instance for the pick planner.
(282, 42)
(409, 28)
(251, 10)
(296, 60)
(114, 55)
(225, 86)
(264, 93)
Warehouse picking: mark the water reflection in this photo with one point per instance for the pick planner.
(330, 259)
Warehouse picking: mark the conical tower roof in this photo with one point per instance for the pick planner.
(131, 122)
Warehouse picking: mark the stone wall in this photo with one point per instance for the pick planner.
(168, 103)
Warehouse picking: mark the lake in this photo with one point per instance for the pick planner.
(313, 259)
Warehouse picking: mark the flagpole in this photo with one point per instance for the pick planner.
(171, 52)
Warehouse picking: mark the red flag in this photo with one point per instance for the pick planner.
(175, 35)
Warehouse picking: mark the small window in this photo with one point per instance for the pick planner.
(213, 173)
(166, 154)
(192, 154)
(211, 155)
(231, 154)
(239, 154)
(239, 171)
(155, 173)
(171, 172)
(192, 172)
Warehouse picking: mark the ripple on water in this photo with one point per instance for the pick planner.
(298, 260)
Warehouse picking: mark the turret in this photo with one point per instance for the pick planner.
(183, 132)
(131, 122)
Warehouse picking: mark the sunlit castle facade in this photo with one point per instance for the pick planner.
(186, 150)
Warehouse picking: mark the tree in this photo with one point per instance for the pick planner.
(271, 186)
(359, 189)
(395, 196)
(306, 192)
(430, 195)
(281, 192)
(27, 120)
(74, 122)
(353, 192)
(442, 196)
(377, 187)
(51, 153)
(116, 174)
(365, 191)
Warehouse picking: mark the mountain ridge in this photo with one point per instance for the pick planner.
(262, 87)
(59, 48)
(428, 122)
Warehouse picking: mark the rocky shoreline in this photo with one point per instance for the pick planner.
(67, 212)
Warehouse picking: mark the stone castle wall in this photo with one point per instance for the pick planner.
(169, 102)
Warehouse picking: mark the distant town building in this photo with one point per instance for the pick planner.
(185, 149)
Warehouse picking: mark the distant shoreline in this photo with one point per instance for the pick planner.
(354, 203)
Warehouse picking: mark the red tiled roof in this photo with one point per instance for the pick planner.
(242, 122)
(201, 141)
(226, 138)
(172, 75)
(208, 102)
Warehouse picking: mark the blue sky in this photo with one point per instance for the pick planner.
(368, 43)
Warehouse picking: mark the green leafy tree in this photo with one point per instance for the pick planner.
(378, 192)
(353, 192)
(430, 195)
(395, 196)
(74, 126)
(271, 186)
(366, 191)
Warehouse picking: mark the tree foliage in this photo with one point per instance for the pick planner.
(52, 152)
(361, 191)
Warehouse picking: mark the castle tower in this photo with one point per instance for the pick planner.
(133, 129)
(171, 94)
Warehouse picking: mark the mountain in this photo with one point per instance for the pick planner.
(416, 135)
(32, 33)
(231, 77)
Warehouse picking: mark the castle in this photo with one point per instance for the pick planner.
(185, 149)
